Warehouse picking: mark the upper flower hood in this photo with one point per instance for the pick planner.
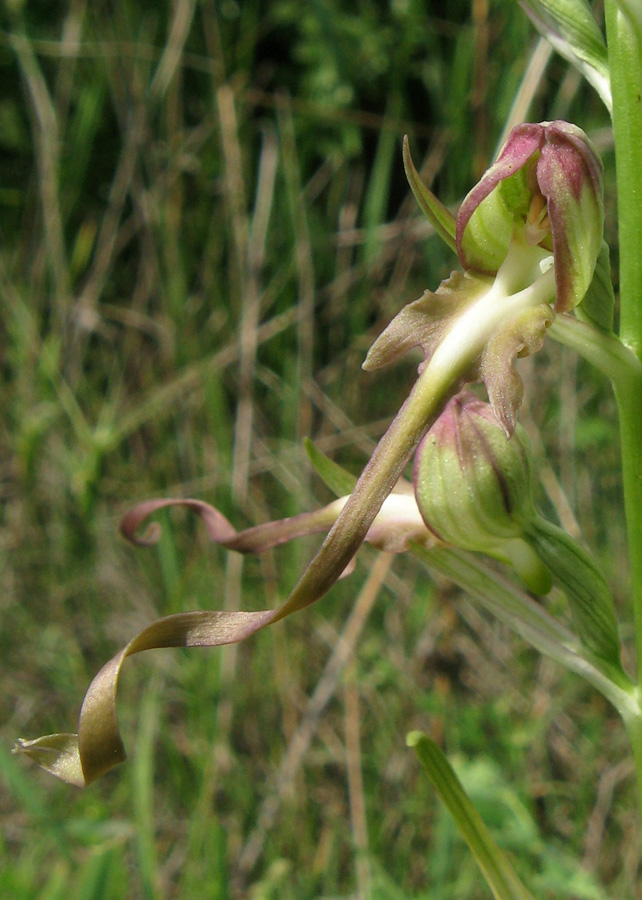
(547, 185)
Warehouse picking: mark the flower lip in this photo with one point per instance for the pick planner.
(397, 522)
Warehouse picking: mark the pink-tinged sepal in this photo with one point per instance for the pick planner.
(569, 174)
(486, 218)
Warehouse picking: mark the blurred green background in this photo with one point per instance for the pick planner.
(204, 224)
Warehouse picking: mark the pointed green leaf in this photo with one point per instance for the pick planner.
(496, 869)
(587, 592)
(570, 28)
(528, 618)
(439, 217)
(336, 478)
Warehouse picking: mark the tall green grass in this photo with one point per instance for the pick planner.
(204, 224)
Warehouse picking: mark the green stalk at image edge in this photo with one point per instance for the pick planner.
(625, 61)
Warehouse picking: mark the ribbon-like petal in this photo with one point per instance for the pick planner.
(81, 758)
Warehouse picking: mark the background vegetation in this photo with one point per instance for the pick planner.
(204, 224)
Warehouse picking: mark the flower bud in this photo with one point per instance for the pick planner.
(473, 485)
(474, 489)
(546, 185)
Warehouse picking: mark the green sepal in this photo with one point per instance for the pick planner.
(496, 869)
(489, 230)
(427, 321)
(599, 301)
(335, 477)
(441, 219)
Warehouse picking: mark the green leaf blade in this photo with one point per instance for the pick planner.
(437, 214)
(497, 870)
(570, 28)
(335, 477)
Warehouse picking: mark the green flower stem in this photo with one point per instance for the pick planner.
(633, 726)
(625, 61)
(632, 718)
(622, 366)
(626, 81)
(629, 400)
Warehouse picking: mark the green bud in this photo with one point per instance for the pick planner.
(474, 486)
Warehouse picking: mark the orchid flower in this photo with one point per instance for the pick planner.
(528, 237)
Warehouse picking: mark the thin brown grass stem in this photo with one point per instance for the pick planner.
(173, 50)
(530, 85)
(356, 792)
(47, 140)
(304, 264)
(323, 693)
(251, 311)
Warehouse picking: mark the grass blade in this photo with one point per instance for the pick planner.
(497, 870)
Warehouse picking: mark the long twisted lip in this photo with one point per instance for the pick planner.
(397, 522)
